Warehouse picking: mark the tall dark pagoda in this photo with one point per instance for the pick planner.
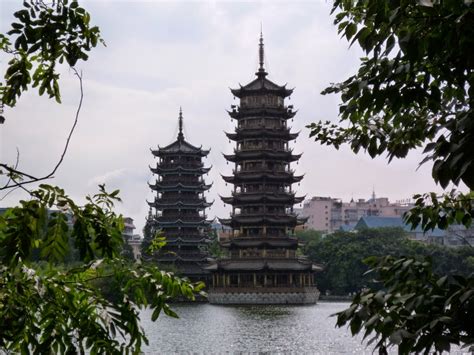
(180, 206)
(262, 267)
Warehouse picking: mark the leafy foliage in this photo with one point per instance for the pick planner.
(429, 211)
(414, 89)
(342, 255)
(214, 247)
(51, 306)
(44, 35)
(416, 309)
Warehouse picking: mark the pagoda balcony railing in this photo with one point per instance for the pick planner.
(253, 107)
(179, 198)
(259, 192)
(171, 257)
(267, 235)
(180, 233)
(263, 170)
(173, 251)
(259, 213)
(262, 147)
(182, 165)
(183, 217)
(181, 180)
(264, 189)
(255, 125)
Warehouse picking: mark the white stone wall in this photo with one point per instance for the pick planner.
(307, 296)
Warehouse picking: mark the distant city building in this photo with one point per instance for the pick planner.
(129, 227)
(134, 240)
(223, 232)
(328, 214)
(455, 235)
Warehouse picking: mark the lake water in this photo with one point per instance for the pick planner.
(210, 329)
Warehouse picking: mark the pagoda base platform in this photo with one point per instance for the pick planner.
(263, 295)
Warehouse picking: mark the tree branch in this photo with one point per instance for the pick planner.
(32, 178)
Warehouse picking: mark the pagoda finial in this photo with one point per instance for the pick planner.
(261, 56)
(180, 134)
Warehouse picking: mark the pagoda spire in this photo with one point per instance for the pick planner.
(261, 56)
(180, 120)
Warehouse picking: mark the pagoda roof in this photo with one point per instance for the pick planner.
(272, 112)
(264, 264)
(180, 170)
(176, 257)
(186, 240)
(180, 222)
(191, 269)
(242, 198)
(286, 242)
(165, 225)
(262, 154)
(261, 85)
(262, 176)
(262, 133)
(180, 146)
(180, 187)
(179, 204)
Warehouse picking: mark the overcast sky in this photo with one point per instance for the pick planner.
(163, 55)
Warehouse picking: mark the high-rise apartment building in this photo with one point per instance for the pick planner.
(328, 214)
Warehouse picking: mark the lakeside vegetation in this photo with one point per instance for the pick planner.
(342, 255)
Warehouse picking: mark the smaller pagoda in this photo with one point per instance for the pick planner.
(180, 205)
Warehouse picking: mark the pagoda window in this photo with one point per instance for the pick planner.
(282, 280)
(277, 253)
(251, 252)
(233, 280)
(275, 232)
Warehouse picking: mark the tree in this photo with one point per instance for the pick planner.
(415, 310)
(58, 307)
(48, 303)
(342, 255)
(45, 35)
(414, 89)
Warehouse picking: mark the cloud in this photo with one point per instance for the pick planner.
(163, 55)
(109, 176)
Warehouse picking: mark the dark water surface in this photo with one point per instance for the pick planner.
(209, 329)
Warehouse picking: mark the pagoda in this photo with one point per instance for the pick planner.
(180, 206)
(263, 266)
